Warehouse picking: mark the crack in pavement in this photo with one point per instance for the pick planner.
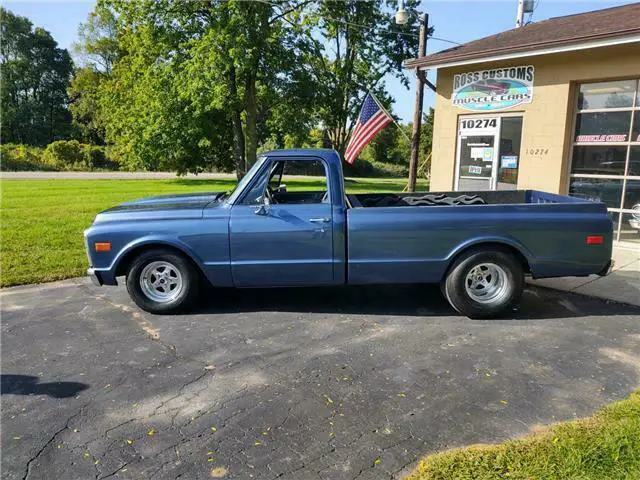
(49, 442)
(114, 473)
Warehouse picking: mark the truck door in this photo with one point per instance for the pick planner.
(279, 237)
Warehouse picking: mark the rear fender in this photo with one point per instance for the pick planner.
(495, 240)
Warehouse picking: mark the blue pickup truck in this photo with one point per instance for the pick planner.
(477, 245)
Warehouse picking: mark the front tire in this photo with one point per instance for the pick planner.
(484, 283)
(162, 281)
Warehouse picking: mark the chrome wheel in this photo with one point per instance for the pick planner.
(161, 281)
(486, 283)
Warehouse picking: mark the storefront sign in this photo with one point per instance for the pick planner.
(622, 137)
(496, 89)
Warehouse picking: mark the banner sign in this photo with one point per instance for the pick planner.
(622, 137)
(488, 90)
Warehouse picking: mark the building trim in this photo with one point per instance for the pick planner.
(608, 42)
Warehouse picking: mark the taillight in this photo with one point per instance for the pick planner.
(595, 239)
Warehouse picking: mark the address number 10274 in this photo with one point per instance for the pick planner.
(479, 123)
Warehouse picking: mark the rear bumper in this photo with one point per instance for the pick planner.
(606, 270)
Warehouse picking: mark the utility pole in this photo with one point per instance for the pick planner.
(520, 16)
(417, 112)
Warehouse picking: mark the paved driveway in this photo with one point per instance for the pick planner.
(319, 383)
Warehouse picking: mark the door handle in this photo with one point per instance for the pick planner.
(320, 220)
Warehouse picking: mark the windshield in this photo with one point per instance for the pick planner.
(231, 196)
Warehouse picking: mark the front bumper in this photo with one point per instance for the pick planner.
(95, 277)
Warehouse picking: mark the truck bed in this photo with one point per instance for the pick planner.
(405, 245)
(503, 197)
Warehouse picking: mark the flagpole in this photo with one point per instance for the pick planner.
(390, 116)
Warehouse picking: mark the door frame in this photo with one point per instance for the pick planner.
(493, 183)
(485, 132)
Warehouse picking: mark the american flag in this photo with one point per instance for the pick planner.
(372, 119)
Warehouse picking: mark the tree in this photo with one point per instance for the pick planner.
(358, 44)
(83, 94)
(98, 49)
(227, 69)
(35, 77)
(98, 42)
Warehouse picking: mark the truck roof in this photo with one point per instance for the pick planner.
(297, 152)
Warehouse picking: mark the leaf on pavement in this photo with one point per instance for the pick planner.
(218, 472)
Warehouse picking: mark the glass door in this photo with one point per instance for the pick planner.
(509, 156)
(477, 141)
(488, 153)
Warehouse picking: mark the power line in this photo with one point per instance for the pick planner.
(364, 27)
(415, 35)
(530, 19)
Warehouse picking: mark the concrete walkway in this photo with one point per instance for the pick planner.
(621, 285)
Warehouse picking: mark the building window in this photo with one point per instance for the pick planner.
(605, 163)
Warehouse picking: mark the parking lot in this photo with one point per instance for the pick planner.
(291, 383)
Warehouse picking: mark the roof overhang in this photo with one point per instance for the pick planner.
(550, 50)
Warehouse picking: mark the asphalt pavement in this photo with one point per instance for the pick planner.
(351, 383)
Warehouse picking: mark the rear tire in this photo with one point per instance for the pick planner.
(484, 283)
(162, 281)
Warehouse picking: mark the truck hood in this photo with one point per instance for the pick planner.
(172, 201)
(189, 205)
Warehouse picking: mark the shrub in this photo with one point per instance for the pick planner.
(66, 155)
(373, 168)
(21, 158)
(60, 155)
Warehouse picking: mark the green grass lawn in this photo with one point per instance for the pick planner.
(43, 220)
(605, 446)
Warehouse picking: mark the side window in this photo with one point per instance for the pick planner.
(254, 195)
(290, 182)
(302, 181)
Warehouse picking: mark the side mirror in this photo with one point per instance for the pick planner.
(263, 209)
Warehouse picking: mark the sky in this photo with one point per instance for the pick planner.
(457, 20)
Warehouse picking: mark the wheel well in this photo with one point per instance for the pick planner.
(125, 261)
(497, 245)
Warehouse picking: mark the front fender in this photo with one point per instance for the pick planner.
(107, 274)
(155, 240)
